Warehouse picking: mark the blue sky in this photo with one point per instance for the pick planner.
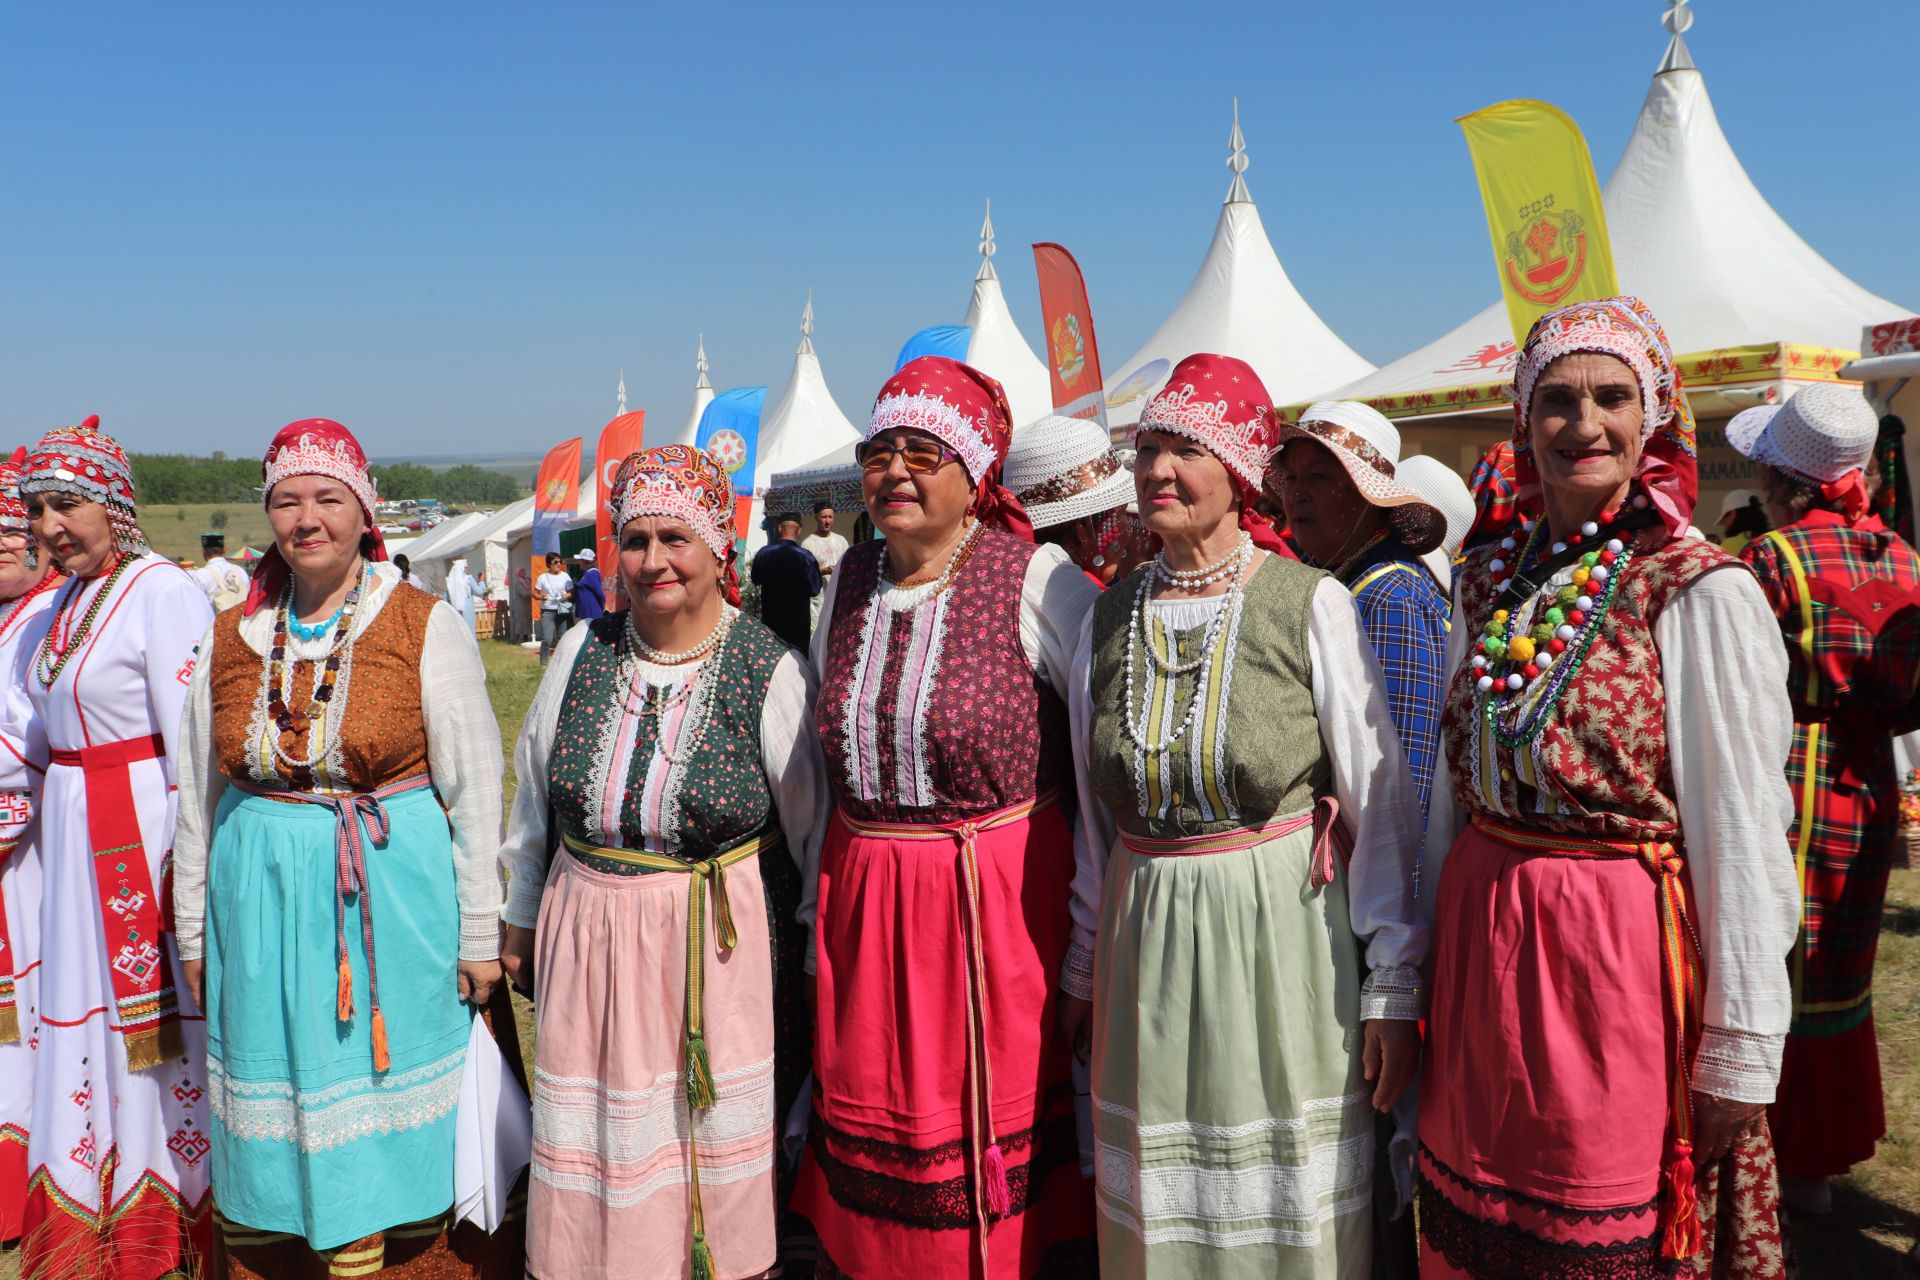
(451, 225)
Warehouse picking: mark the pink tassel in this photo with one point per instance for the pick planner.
(999, 1197)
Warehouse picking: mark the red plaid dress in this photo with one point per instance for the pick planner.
(1848, 599)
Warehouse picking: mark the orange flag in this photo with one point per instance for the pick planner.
(556, 495)
(617, 439)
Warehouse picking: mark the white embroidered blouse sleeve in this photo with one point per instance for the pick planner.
(818, 649)
(1377, 797)
(1056, 607)
(790, 754)
(201, 786)
(1729, 730)
(464, 759)
(1444, 815)
(523, 853)
(1094, 831)
(1056, 599)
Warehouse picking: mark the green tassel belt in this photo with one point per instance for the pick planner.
(710, 873)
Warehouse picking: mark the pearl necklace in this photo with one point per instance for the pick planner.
(661, 658)
(698, 692)
(334, 679)
(1137, 726)
(1195, 580)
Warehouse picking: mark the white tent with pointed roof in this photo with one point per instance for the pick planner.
(702, 396)
(996, 346)
(804, 425)
(1693, 236)
(1242, 304)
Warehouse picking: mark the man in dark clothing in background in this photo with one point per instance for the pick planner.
(589, 595)
(789, 578)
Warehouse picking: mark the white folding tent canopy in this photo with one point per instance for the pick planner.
(996, 347)
(1694, 238)
(1242, 304)
(702, 397)
(803, 424)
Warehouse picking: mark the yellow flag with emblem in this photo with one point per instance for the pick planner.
(1543, 208)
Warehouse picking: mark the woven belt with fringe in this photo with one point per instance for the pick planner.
(709, 874)
(992, 1199)
(1329, 839)
(1680, 959)
(349, 809)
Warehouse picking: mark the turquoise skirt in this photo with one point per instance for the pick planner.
(307, 1137)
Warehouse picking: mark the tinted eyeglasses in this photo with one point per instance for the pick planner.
(921, 456)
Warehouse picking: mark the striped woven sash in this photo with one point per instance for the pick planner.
(1330, 837)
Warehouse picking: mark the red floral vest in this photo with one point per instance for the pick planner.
(1600, 766)
(933, 714)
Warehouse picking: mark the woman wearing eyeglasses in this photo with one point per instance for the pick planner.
(943, 1133)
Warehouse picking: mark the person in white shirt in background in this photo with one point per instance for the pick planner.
(827, 548)
(224, 581)
(555, 587)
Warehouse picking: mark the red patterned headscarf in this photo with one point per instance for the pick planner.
(1623, 327)
(1220, 402)
(966, 410)
(88, 463)
(312, 447)
(685, 483)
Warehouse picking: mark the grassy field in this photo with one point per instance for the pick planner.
(175, 531)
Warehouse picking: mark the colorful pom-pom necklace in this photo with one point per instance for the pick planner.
(1510, 661)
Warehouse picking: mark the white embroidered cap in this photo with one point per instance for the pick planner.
(1820, 434)
(1063, 469)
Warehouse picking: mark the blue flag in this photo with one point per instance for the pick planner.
(949, 340)
(730, 433)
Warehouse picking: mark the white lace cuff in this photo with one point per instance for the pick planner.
(1742, 1066)
(480, 936)
(1076, 972)
(190, 939)
(1394, 992)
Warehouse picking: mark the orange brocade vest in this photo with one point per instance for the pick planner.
(1600, 766)
(383, 735)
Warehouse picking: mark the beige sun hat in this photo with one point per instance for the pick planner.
(1063, 469)
(1368, 446)
(1442, 486)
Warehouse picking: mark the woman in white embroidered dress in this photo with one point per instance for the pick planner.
(339, 893)
(26, 582)
(118, 1148)
(670, 754)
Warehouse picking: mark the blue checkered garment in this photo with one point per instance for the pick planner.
(1405, 616)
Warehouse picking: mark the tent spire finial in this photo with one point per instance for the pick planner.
(700, 367)
(806, 328)
(1677, 18)
(986, 271)
(1238, 162)
(621, 398)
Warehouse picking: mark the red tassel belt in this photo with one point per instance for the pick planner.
(350, 809)
(992, 1198)
(1329, 838)
(132, 923)
(1680, 958)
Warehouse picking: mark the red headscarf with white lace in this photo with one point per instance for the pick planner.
(313, 447)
